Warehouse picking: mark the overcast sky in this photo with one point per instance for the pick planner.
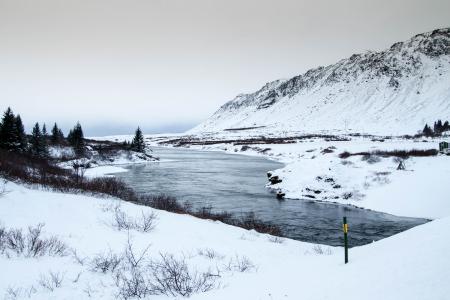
(166, 65)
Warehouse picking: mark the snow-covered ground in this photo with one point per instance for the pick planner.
(104, 171)
(99, 165)
(410, 265)
(245, 264)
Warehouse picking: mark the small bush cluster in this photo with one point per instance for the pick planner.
(209, 253)
(394, 153)
(106, 262)
(240, 264)
(144, 223)
(35, 170)
(139, 277)
(247, 221)
(51, 281)
(30, 243)
(320, 250)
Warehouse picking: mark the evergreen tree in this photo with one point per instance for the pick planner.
(8, 132)
(57, 136)
(439, 128)
(427, 131)
(76, 139)
(138, 143)
(22, 142)
(61, 135)
(38, 145)
(44, 130)
(446, 126)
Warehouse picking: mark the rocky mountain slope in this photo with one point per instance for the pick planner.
(395, 91)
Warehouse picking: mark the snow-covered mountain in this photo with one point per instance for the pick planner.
(395, 91)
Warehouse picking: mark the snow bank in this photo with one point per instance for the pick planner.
(410, 265)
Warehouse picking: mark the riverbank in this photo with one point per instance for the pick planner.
(315, 170)
(241, 264)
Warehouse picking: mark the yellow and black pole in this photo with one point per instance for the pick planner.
(345, 228)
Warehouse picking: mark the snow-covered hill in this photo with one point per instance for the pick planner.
(395, 91)
(99, 258)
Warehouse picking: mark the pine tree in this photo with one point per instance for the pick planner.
(446, 126)
(37, 148)
(138, 143)
(8, 132)
(44, 130)
(427, 131)
(439, 127)
(76, 139)
(22, 142)
(57, 136)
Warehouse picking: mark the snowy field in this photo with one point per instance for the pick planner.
(241, 264)
(103, 236)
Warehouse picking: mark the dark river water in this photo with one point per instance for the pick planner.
(236, 184)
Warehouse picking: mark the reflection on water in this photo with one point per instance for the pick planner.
(235, 183)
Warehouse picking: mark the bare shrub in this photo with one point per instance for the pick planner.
(207, 213)
(30, 244)
(139, 277)
(209, 253)
(51, 281)
(132, 284)
(172, 277)
(144, 223)
(15, 241)
(78, 259)
(163, 202)
(249, 221)
(318, 249)
(276, 239)
(38, 246)
(240, 264)
(131, 278)
(13, 293)
(105, 262)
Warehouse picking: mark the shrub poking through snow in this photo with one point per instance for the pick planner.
(209, 253)
(138, 277)
(106, 262)
(276, 240)
(172, 277)
(51, 281)
(31, 243)
(143, 223)
(321, 250)
(240, 264)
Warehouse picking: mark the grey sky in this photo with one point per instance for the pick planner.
(168, 64)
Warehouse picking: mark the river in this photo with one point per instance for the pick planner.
(236, 184)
